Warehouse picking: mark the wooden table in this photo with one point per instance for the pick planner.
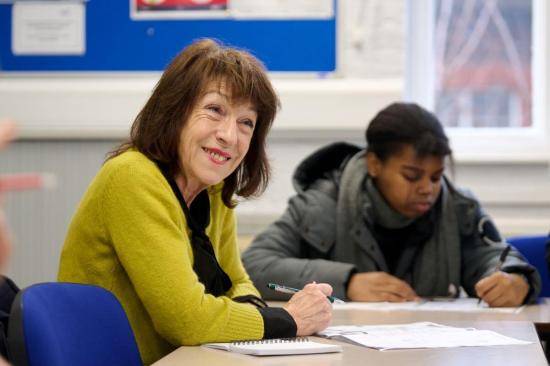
(513, 325)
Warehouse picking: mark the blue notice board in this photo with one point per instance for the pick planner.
(115, 42)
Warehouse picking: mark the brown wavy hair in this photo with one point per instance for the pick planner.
(156, 129)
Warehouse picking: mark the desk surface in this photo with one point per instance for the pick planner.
(538, 314)
(532, 354)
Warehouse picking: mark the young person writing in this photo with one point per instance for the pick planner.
(385, 224)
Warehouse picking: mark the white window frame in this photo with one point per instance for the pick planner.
(483, 144)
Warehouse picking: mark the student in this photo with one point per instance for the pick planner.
(386, 224)
(156, 226)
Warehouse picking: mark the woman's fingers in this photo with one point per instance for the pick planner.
(325, 288)
(310, 309)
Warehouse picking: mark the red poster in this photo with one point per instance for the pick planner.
(170, 5)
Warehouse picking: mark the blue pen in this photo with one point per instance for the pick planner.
(291, 290)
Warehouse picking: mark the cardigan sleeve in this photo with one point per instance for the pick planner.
(230, 259)
(148, 232)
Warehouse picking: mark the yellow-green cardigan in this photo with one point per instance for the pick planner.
(129, 235)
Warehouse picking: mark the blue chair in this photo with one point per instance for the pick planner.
(533, 249)
(70, 324)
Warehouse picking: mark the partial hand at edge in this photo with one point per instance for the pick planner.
(8, 130)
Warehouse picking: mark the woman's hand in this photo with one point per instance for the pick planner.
(502, 289)
(310, 308)
(379, 286)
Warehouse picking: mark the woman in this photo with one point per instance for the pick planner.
(385, 224)
(156, 226)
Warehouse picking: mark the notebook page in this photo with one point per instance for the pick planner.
(271, 347)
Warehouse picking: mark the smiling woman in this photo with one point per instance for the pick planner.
(156, 226)
(214, 141)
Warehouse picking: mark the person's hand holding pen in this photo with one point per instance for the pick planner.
(310, 309)
(292, 290)
(502, 288)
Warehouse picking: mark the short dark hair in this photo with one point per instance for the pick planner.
(156, 129)
(401, 124)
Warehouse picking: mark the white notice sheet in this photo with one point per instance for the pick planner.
(283, 9)
(48, 28)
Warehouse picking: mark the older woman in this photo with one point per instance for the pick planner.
(156, 226)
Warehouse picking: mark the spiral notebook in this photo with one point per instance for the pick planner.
(274, 347)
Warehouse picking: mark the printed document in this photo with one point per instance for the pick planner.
(417, 335)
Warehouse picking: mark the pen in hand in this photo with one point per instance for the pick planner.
(501, 260)
(291, 290)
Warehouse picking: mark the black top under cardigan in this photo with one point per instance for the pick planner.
(277, 321)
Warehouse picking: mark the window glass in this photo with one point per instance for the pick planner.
(483, 61)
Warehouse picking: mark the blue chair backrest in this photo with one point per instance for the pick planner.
(533, 249)
(70, 324)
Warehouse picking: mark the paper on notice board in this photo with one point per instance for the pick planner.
(212, 9)
(48, 28)
(284, 9)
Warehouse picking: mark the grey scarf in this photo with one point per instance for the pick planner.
(432, 271)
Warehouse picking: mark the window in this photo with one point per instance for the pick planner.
(480, 66)
(482, 52)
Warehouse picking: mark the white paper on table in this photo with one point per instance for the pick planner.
(417, 335)
(468, 304)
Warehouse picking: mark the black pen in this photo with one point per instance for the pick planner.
(501, 260)
(291, 290)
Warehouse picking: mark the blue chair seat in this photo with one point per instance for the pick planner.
(70, 324)
(533, 249)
